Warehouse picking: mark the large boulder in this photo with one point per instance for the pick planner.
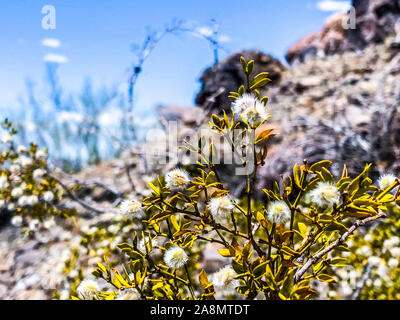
(375, 20)
(227, 75)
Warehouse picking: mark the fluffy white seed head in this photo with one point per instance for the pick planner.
(395, 252)
(25, 161)
(49, 223)
(368, 237)
(221, 207)
(17, 192)
(251, 109)
(132, 208)
(88, 288)
(242, 103)
(175, 257)
(16, 221)
(23, 201)
(14, 168)
(325, 195)
(374, 261)
(38, 174)
(255, 115)
(48, 196)
(128, 294)
(6, 138)
(21, 148)
(278, 212)
(32, 200)
(177, 179)
(33, 224)
(41, 154)
(393, 263)
(390, 243)
(386, 180)
(364, 251)
(142, 245)
(224, 279)
(4, 182)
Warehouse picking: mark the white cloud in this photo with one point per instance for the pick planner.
(224, 38)
(204, 31)
(55, 58)
(335, 6)
(51, 42)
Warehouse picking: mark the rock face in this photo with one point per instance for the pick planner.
(375, 20)
(343, 107)
(218, 80)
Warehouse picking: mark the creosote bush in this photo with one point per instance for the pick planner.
(27, 190)
(283, 247)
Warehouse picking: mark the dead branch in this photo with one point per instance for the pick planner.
(315, 258)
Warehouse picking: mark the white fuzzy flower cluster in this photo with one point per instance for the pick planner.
(28, 200)
(128, 294)
(132, 208)
(41, 154)
(6, 138)
(223, 280)
(393, 263)
(48, 196)
(175, 257)
(18, 191)
(24, 161)
(16, 221)
(386, 180)
(251, 109)
(391, 245)
(33, 224)
(364, 251)
(38, 174)
(278, 212)
(142, 245)
(4, 182)
(325, 194)
(88, 288)
(21, 149)
(374, 261)
(177, 179)
(220, 207)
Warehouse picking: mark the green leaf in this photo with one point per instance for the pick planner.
(203, 279)
(325, 278)
(260, 76)
(244, 63)
(289, 251)
(260, 84)
(250, 67)
(317, 167)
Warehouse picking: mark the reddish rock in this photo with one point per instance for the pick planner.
(375, 20)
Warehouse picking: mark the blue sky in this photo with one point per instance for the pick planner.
(94, 38)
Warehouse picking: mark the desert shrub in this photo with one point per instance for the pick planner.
(372, 270)
(282, 247)
(27, 191)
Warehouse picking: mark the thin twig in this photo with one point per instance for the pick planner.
(314, 259)
(76, 199)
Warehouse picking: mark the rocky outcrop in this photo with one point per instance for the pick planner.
(227, 75)
(374, 21)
